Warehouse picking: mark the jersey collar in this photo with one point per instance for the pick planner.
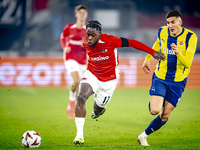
(183, 29)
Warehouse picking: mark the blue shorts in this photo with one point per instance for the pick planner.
(170, 91)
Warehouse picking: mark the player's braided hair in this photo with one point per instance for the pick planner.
(94, 24)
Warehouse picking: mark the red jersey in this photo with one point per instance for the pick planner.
(72, 37)
(103, 57)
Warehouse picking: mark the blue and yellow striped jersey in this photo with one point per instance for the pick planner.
(176, 67)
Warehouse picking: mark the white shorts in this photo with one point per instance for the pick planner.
(72, 65)
(103, 91)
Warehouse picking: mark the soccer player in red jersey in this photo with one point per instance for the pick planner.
(74, 54)
(100, 78)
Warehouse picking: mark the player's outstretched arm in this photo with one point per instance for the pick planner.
(140, 46)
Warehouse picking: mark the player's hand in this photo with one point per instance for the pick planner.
(159, 56)
(67, 49)
(174, 48)
(146, 67)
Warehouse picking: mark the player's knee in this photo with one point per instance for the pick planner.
(81, 99)
(155, 111)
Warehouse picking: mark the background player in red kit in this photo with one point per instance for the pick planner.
(102, 73)
(74, 54)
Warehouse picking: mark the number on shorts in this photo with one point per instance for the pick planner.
(106, 99)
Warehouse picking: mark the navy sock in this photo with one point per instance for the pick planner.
(156, 124)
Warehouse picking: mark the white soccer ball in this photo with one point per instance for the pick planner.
(31, 139)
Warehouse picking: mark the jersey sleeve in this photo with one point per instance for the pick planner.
(187, 59)
(63, 36)
(156, 47)
(140, 46)
(115, 41)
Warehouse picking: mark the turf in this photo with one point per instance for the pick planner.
(43, 110)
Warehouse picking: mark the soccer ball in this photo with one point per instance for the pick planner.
(31, 139)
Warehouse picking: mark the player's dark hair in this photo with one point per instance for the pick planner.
(94, 24)
(173, 13)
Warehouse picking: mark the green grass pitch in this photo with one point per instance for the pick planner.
(127, 115)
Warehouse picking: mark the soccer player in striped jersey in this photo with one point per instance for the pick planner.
(74, 54)
(100, 78)
(170, 76)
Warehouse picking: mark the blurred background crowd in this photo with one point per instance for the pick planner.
(33, 27)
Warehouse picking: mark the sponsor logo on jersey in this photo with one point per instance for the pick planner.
(169, 52)
(104, 50)
(99, 58)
